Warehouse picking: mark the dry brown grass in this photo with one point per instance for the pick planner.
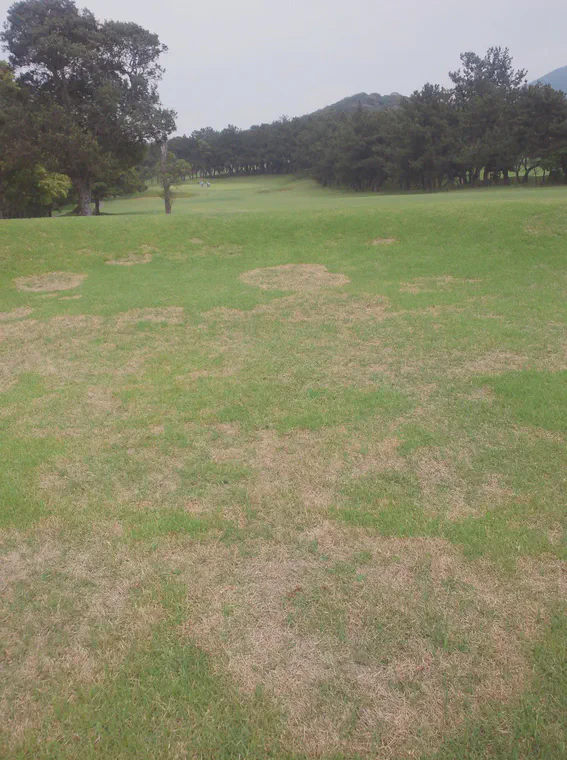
(171, 315)
(196, 241)
(298, 277)
(433, 284)
(227, 249)
(383, 241)
(350, 649)
(44, 347)
(131, 259)
(321, 307)
(84, 611)
(447, 487)
(495, 362)
(50, 282)
(20, 313)
(541, 225)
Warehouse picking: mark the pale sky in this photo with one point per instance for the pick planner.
(245, 62)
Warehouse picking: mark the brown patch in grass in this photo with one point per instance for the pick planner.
(296, 473)
(70, 298)
(482, 394)
(227, 249)
(377, 456)
(495, 490)
(20, 313)
(48, 348)
(547, 577)
(298, 277)
(171, 315)
(540, 224)
(101, 400)
(401, 644)
(52, 281)
(197, 241)
(433, 284)
(194, 507)
(131, 259)
(383, 241)
(323, 307)
(441, 486)
(68, 618)
(495, 363)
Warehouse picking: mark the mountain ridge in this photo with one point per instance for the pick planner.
(369, 101)
(556, 79)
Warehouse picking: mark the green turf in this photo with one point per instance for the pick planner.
(246, 522)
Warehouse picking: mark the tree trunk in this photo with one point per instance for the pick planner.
(167, 198)
(165, 181)
(84, 191)
(97, 207)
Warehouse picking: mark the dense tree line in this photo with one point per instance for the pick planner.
(81, 119)
(78, 106)
(490, 126)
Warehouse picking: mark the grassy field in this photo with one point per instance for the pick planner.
(283, 475)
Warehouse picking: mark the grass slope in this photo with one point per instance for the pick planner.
(283, 475)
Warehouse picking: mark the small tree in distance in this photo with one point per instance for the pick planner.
(171, 171)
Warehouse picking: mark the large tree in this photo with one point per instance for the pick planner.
(91, 88)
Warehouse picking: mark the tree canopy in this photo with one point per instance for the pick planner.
(90, 90)
(490, 125)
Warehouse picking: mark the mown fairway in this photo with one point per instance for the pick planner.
(312, 511)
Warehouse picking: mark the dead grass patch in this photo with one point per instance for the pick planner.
(197, 241)
(170, 315)
(101, 400)
(397, 644)
(540, 224)
(383, 241)
(227, 249)
(441, 486)
(68, 618)
(50, 282)
(131, 259)
(433, 284)
(377, 456)
(293, 474)
(446, 487)
(298, 277)
(70, 298)
(496, 362)
(325, 307)
(20, 313)
(485, 394)
(48, 348)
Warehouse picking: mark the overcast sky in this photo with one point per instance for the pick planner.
(243, 62)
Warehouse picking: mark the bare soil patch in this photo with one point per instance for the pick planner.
(298, 277)
(50, 282)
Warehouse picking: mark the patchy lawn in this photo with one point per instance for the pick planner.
(287, 483)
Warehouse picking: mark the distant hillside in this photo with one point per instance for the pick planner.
(557, 79)
(373, 102)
